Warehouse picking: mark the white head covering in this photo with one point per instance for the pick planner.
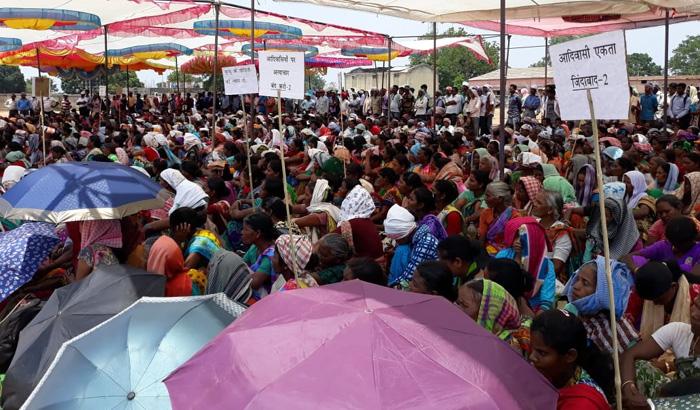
(141, 170)
(191, 140)
(187, 194)
(317, 200)
(12, 175)
(399, 222)
(357, 204)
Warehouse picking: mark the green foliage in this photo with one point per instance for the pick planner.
(458, 64)
(11, 79)
(118, 81)
(686, 57)
(640, 64)
(208, 80)
(72, 85)
(184, 78)
(314, 79)
(553, 41)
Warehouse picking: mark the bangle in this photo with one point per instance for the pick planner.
(626, 383)
(668, 367)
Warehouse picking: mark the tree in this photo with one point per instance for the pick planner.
(72, 85)
(11, 79)
(313, 79)
(457, 64)
(184, 78)
(641, 64)
(118, 81)
(686, 57)
(553, 41)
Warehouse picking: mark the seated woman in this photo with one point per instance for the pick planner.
(680, 245)
(681, 338)
(587, 292)
(666, 180)
(492, 308)
(623, 235)
(433, 278)
(584, 184)
(356, 227)
(528, 245)
(260, 234)
(219, 209)
(322, 216)
(365, 269)
(473, 201)
(292, 255)
(689, 193)
(526, 190)
(448, 170)
(200, 244)
(415, 244)
(98, 240)
(554, 182)
(408, 182)
(466, 258)
(578, 369)
(667, 208)
(329, 257)
(451, 218)
(642, 206)
(228, 273)
(518, 282)
(187, 193)
(492, 221)
(421, 203)
(549, 208)
(387, 193)
(166, 259)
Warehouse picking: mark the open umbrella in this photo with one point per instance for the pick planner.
(356, 345)
(121, 363)
(21, 252)
(81, 191)
(70, 311)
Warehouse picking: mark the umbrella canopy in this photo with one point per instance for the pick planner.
(121, 363)
(70, 311)
(360, 346)
(80, 192)
(21, 252)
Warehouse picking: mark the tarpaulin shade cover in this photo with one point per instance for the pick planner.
(9, 44)
(71, 73)
(121, 362)
(370, 53)
(243, 28)
(309, 51)
(354, 345)
(151, 51)
(44, 19)
(560, 26)
(333, 62)
(205, 64)
(475, 44)
(81, 191)
(458, 11)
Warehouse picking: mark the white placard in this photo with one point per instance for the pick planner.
(240, 80)
(597, 63)
(283, 71)
(102, 90)
(41, 86)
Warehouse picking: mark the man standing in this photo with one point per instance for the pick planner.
(532, 103)
(486, 112)
(679, 107)
(453, 104)
(551, 107)
(407, 102)
(65, 105)
(11, 105)
(82, 104)
(649, 104)
(322, 103)
(514, 106)
(395, 103)
(24, 106)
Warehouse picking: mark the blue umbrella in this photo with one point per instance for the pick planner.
(21, 252)
(121, 363)
(80, 192)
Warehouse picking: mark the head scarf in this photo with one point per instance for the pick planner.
(122, 156)
(533, 186)
(190, 140)
(106, 232)
(399, 222)
(317, 200)
(228, 273)
(149, 140)
(599, 300)
(482, 153)
(613, 153)
(166, 259)
(562, 185)
(357, 204)
(578, 161)
(498, 311)
(527, 159)
(13, 174)
(671, 180)
(639, 185)
(615, 190)
(297, 259)
(534, 244)
(694, 179)
(17, 156)
(584, 192)
(187, 193)
(622, 230)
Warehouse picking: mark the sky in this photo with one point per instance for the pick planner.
(648, 40)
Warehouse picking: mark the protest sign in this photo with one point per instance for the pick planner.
(282, 71)
(102, 91)
(596, 63)
(240, 80)
(41, 86)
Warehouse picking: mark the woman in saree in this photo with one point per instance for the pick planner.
(187, 193)
(666, 180)
(199, 244)
(667, 208)
(492, 221)
(623, 235)
(421, 203)
(585, 185)
(98, 242)
(260, 233)
(228, 273)
(642, 206)
(448, 170)
(473, 201)
(689, 193)
(554, 182)
(482, 160)
(165, 258)
(322, 216)
(425, 167)
(290, 260)
(526, 190)
(356, 227)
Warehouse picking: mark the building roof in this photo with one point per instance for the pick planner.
(515, 73)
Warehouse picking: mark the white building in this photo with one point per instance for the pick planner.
(369, 78)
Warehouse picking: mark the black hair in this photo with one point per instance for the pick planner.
(563, 331)
(448, 189)
(694, 157)
(681, 229)
(368, 270)
(276, 166)
(276, 207)
(672, 200)
(425, 196)
(274, 187)
(100, 158)
(413, 180)
(218, 186)
(439, 160)
(96, 141)
(262, 223)
(389, 175)
(354, 170)
(438, 279)
(402, 160)
(186, 215)
(482, 177)
(681, 387)
(351, 183)
(509, 274)
(670, 155)
(191, 168)
(654, 278)
(626, 164)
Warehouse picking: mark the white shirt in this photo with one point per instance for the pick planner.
(455, 108)
(395, 103)
(676, 336)
(421, 105)
(484, 101)
(322, 105)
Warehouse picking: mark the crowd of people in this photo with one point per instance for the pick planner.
(374, 192)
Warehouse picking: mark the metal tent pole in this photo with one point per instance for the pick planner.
(106, 65)
(252, 61)
(389, 77)
(177, 76)
(502, 111)
(666, 96)
(434, 70)
(546, 60)
(127, 80)
(217, 8)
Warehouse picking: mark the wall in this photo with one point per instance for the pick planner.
(415, 77)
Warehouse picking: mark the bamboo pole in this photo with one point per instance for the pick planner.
(287, 199)
(249, 135)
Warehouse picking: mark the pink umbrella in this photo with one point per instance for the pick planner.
(354, 345)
